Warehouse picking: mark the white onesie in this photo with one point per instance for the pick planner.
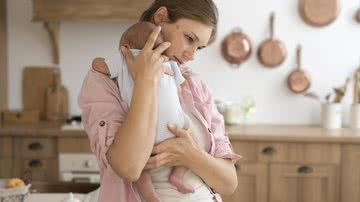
(169, 108)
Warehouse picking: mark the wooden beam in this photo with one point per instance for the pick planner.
(3, 58)
(53, 30)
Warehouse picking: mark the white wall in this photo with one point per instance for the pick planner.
(330, 54)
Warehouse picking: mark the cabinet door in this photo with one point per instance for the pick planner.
(44, 170)
(6, 167)
(303, 183)
(252, 183)
(350, 176)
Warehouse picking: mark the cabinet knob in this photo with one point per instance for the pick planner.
(35, 146)
(35, 163)
(305, 169)
(269, 150)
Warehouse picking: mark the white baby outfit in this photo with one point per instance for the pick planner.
(169, 111)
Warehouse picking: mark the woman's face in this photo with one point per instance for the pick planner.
(186, 36)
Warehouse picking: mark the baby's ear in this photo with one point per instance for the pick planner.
(99, 65)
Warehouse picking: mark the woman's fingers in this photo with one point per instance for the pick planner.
(157, 161)
(152, 39)
(179, 132)
(161, 48)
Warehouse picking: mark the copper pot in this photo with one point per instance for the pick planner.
(272, 52)
(357, 16)
(236, 47)
(319, 13)
(299, 80)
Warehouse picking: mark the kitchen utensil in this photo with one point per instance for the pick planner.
(57, 100)
(272, 52)
(236, 47)
(35, 81)
(357, 15)
(319, 13)
(299, 80)
(356, 93)
(340, 92)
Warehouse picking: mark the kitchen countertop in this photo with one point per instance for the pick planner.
(41, 129)
(292, 133)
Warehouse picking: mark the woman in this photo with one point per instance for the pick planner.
(122, 137)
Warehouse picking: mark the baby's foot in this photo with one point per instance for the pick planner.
(180, 185)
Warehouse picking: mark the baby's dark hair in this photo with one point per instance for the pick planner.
(135, 36)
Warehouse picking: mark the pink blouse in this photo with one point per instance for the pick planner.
(103, 112)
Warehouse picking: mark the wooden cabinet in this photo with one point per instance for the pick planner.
(36, 158)
(303, 182)
(350, 173)
(88, 10)
(3, 58)
(287, 172)
(252, 183)
(6, 157)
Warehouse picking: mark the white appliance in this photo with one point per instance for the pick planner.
(78, 167)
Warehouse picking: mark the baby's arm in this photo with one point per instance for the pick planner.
(99, 65)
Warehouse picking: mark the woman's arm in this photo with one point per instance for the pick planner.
(134, 140)
(218, 173)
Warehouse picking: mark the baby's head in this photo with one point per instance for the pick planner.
(135, 37)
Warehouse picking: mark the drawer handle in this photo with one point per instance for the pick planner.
(305, 169)
(35, 146)
(35, 163)
(268, 151)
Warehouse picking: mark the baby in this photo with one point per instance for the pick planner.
(169, 108)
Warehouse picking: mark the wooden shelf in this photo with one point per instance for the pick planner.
(88, 10)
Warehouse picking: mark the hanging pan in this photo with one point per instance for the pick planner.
(357, 15)
(299, 80)
(272, 52)
(236, 47)
(319, 13)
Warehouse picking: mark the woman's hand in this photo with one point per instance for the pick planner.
(176, 151)
(148, 64)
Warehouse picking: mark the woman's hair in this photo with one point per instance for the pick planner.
(203, 11)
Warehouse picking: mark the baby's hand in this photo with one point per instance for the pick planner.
(99, 65)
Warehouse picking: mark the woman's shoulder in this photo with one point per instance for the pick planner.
(98, 86)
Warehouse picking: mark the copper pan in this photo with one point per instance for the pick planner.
(319, 13)
(272, 52)
(236, 47)
(299, 80)
(357, 15)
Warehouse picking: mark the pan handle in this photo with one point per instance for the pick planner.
(298, 56)
(272, 19)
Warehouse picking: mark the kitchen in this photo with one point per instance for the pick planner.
(289, 141)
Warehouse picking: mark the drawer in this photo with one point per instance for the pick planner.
(35, 147)
(248, 150)
(36, 169)
(6, 167)
(6, 147)
(299, 152)
(74, 145)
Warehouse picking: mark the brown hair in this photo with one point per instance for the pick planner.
(203, 11)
